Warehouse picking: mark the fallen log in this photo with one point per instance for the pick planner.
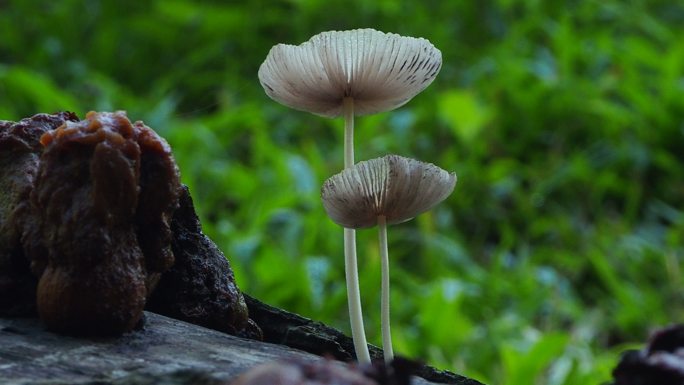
(165, 351)
(290, 329)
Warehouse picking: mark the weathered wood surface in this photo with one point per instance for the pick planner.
(166, 351)
(290, 329)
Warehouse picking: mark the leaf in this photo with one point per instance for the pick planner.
(525, 365)
(464, 113)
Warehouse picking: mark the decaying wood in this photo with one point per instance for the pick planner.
(166, 351)
(282, 327)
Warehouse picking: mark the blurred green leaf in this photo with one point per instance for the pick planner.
(464, 113)
(21, 88)
(526, 365)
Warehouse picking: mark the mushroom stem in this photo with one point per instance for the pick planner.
(350, 265)
(385, 292)
(348, 112)
(354, 297)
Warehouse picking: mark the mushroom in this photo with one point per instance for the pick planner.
(348, 73)
(388, 190)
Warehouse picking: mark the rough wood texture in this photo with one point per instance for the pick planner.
(166, 351)
(282, 327)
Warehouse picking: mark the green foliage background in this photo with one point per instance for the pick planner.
(563, 243)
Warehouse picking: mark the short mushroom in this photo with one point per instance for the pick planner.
(382, 191)
(357, 72)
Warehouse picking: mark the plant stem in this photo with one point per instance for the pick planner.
(350, 265)
(385, 293)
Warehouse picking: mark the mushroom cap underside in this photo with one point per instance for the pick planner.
(393, 186)
(380, 71)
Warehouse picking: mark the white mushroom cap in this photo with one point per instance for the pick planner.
(380, 71)
(396, 187)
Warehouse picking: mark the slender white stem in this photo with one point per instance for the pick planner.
(385, 293)
(354, 297)
(350, 266)
(348, 112)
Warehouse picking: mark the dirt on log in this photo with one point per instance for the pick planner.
(166, 351)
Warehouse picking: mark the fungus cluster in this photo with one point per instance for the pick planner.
(362, 72)
(103, 196)
(92, 218)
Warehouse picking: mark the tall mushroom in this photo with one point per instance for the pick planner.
(382, 191)
(348, 73)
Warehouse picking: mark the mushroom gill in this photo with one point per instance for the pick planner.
(380, 71)
(393, 186)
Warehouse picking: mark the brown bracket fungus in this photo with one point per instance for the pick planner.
(90, 215)
(103, 198)
(382, 191)
(348, 73)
